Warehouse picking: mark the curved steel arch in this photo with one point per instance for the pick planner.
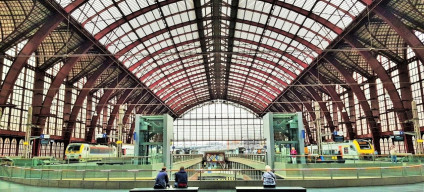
(135, 14)
(304, 65)
(143, 78)
(240, 102)
(336, 98)
(262, 105)
(194, 66)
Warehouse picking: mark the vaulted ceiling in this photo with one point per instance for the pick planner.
(184, 53)
(189, 52)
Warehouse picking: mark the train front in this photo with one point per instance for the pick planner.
(365, 148)
(74, 152)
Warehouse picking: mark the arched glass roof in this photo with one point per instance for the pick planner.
(189, 52)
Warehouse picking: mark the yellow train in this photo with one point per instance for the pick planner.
(353, 149)
(86, 152)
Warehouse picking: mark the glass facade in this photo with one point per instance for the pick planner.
(216, 122)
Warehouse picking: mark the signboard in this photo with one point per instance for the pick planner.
(101, 135)
(43, 136)
(44, 141)
(397, 132)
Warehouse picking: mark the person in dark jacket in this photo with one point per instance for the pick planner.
(181, 178)
(162, 179)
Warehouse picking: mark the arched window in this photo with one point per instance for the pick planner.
(1, 146)
(6, 147)
(21, 148)
(219, 123)
(61, 150)
(13, 147)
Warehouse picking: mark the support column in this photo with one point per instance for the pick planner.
(406, 94)
(37, 97)
(67, 114)
(89, 112)
(353, 84)
(375, 108)
(24, 55)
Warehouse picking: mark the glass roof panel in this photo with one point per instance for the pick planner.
(166, 45)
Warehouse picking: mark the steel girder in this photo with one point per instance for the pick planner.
(279, 31)
(243, 102)
(308, 107)
(123, 99)
(200, 30)
(186, 96)
(336, 98)
(44, 111)
(139, 111)
(181, 86)
(57, 82)
(234, 80)
(74, 5)
(216, 7)
(285, 107)
(306, 13)
(102, 103)
(24, 55)
(84, 93)
(232, 29)
(374, 128)
(28, 49)
(144, 77)
(305, 122)
(132, 105)
(135, 14)
(259, 43)
(173, 43)
(321, 104)
(387, 84)
(408, 35)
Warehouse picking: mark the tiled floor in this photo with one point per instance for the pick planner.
(12, 187)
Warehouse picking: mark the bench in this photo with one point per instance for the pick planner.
(189, 189)
(248, 189)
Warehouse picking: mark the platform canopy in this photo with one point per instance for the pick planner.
(189, 52)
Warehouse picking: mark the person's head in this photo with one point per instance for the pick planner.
(163, 168)
(292, 148)
(182, 168)
(267, 168)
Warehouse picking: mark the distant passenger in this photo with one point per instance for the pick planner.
(162, 179)
(268, 177)
(293, 152)
(181, 179)
(393, 154)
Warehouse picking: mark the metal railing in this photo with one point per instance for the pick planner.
(253, 157)
(139, 160)
(212, 174)
(177, 158)
(376, 159)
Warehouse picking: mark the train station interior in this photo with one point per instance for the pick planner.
(103, 94)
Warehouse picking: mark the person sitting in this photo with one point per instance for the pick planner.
(268, 178)
(161, 181)
(181, 179)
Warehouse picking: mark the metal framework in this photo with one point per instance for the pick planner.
(168, 56)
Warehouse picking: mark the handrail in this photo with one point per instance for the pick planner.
(62, 174)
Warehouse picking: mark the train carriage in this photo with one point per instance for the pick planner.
(354, 149)
(88, 152)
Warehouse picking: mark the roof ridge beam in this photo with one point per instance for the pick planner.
(200, 30)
